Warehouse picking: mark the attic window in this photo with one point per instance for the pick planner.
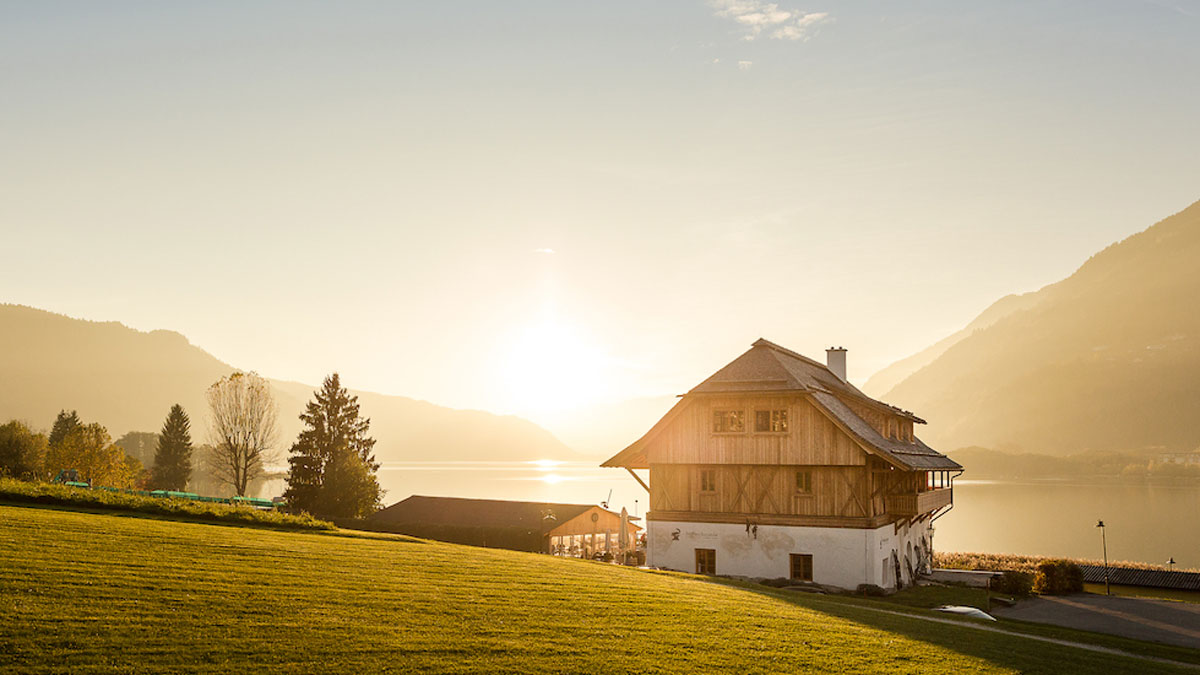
(770, 420)
(729, 421)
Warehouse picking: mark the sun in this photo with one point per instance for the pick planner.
(551, 367)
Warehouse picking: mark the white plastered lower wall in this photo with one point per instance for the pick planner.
(842, 557)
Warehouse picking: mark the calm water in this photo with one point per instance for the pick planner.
(1143, 523)
(1147, 524)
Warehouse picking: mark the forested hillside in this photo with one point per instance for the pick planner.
(1107, 359)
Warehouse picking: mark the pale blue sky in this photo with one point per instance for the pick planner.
(300, 187)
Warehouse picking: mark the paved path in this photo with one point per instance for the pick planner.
(1038, 638)
(1176, 623)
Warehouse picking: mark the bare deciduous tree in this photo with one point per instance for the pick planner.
(241, 428)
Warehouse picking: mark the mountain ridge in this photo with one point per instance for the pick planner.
(1101, 360)
(127, 379)
(887, 378)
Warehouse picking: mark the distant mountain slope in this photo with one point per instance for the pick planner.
(1107, 359)
(882, 382)
(127, 380)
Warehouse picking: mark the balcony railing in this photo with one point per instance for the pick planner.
(916, 503)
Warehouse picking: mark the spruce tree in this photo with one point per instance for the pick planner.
(332, 468)
(63, 425)
(173, 458)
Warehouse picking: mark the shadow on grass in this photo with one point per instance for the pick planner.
(373, 535)
(1027, 655)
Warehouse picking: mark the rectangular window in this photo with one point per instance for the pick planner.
(804, 482)
(706, 561)
(729, 421)
(770, 420)
(801, 567)
(708, 480)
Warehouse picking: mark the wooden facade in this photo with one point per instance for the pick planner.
(814, 473)
(775, 438)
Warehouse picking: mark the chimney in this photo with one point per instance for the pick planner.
(835, 358)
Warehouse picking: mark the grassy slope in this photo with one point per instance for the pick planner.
(49, 494)
(98, 592)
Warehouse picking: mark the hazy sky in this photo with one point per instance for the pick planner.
(533, 207)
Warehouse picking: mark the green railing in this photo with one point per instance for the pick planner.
(256, 502)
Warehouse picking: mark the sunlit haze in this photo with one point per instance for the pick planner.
(672, 336)
(548, 208)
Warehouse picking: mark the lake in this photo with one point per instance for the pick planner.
(1144, 523)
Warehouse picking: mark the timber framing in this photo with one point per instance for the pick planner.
(834, 457)
(766, 519)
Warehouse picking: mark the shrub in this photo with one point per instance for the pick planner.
(870, 589)
(63, 495)
(22, 452)
(1014, 583)
(1058, 577)
(1028, 563)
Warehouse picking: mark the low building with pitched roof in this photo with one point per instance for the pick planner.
(577, 530)
(776, 466)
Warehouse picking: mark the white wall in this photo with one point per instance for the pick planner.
(842, 557)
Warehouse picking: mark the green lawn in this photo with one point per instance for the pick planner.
(95, 592)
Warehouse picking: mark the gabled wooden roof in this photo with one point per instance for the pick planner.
(915, 456)
(769, 368)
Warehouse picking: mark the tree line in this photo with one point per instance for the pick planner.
(331, 465)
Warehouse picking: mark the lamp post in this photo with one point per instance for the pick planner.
(1104, 541)
(1171, 563)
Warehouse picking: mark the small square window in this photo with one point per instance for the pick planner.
(802, 566)
(708, 480)
(770, 420)
(706, 561)
(804, 482)
(729, 421)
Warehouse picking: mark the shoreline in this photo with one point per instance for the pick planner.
(1108, 479)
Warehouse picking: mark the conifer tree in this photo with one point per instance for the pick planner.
(173, 458)
(63, 425)
(332, 468)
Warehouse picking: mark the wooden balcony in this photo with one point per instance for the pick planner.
(914, 504)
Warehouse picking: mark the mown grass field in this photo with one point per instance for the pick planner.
(100, 592)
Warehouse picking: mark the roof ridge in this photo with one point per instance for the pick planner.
(854, 392)
(503, 501)
(779, 348)
(791, 378)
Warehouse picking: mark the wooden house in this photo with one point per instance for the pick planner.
(579, 530)
(776, 466)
